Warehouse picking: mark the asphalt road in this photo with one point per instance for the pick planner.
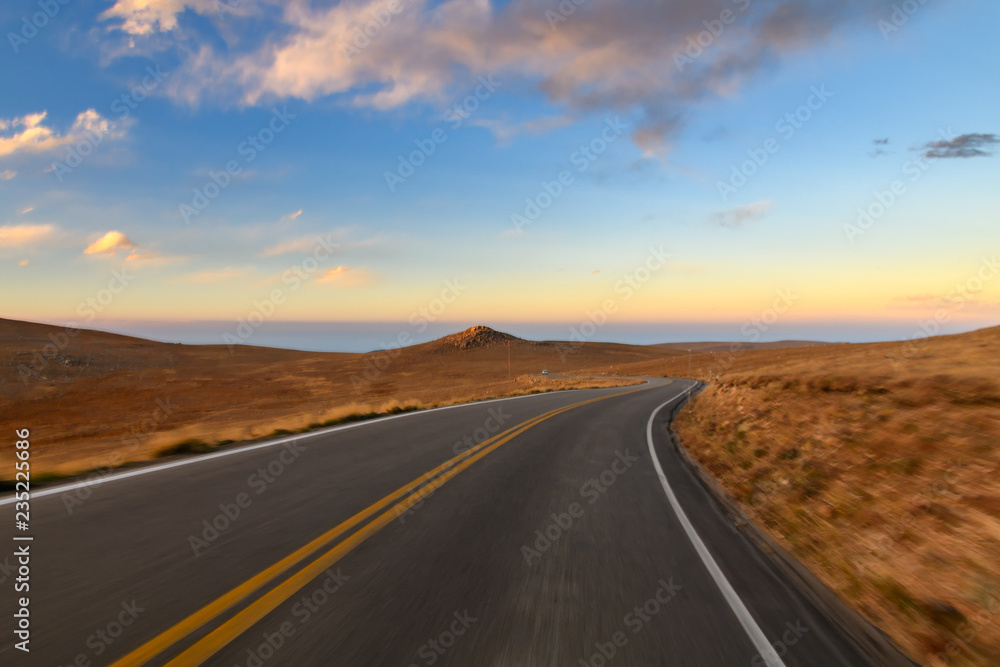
(554, 544)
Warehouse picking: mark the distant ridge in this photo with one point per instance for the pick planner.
(736, 346)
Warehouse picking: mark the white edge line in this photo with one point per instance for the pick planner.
(112, 477)
(753, 630)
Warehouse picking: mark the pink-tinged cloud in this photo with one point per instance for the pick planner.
(144, 17)
(613, 56)
(29, 134)
(19, 236)
(345, 276)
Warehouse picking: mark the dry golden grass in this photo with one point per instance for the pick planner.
(95, 400)
(876, 465)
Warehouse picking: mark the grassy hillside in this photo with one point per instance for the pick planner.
(93, 399)
(878, 466)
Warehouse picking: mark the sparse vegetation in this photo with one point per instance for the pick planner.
(187, 446)
(880, 473)
(208, 393)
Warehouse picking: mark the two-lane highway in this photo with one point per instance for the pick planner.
(532, 531)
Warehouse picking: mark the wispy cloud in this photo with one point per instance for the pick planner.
(19, 236)
(302, 244)
(28, 209)
(7, 174)
(936, 301)
(963, 146)
(291, 217)
(333, 242)
(29, 134)
(217, 275)
(346, 276)
(879, 149)
(737, 215)
(505, 130)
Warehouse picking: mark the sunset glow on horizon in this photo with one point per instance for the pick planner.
(289, 168)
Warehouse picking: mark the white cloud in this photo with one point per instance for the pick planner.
(737, 215)
(144, 17)
(29, 134)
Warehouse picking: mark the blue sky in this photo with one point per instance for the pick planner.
(534, 92)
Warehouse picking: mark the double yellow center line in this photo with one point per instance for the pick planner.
(213, 642)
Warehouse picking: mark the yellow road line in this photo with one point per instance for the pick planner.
(215, 640)
(182, 629)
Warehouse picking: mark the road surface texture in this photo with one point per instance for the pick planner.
(548, 540)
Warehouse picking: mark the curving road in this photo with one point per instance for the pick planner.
(533, 531)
